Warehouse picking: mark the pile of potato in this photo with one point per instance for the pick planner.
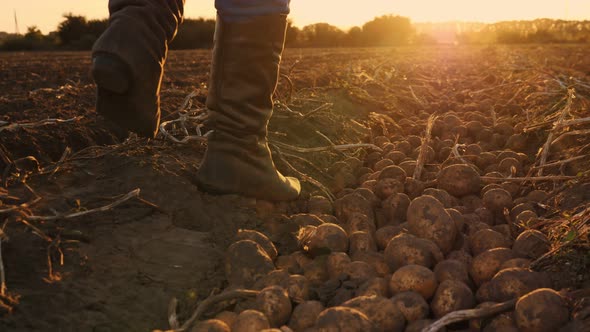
(394, 253)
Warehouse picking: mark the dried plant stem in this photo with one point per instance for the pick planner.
(571, 133)
(343, 147)
(424, 148)
(130, 195)
(564, 112)
(12, 126)
(463, 315)
(573, 122)
(562, 162)
(2, 274)
(213, 299)
(532, 179)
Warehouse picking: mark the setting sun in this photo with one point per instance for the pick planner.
(344, 14)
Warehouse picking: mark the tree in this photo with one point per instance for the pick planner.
(387, 30)
(71, 29)
(322, 35)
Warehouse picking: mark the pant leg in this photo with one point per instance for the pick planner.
(243, 9)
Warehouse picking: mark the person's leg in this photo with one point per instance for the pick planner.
(249, 41)
(128, 61)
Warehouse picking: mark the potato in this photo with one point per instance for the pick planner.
(487, 239)
(374, 259)
(503, 229)
(275, 304)
(414, 188)
(381, 140)
(301, 258)
(485, 215)
(273, 278)
(211, 325)
(337, 264)
(442, 196)
(512, 283)
(428, 219)
(395, 208)
(376, 286)
(541, 310)
(458, 219)
(452, 269)
(305, 219)
(387, 187)
(510, 167)
(261, 239)
(395, 156)
(394, 172)
(298, 288)
(360, 272)
(406, 249)
(414, 278)
(496, 200)
(319, 205)
(412, 305)
(516, 262)
(537, 196)
(288, 263)
(501, 323)
(359, 223)
(305, 315)
(531, 244)
(487, 264)
(344, 207)
(385, 234)
(337, 319)
(451, 295)
(462, 256)
(250, 321)
(316, 272)
(369, 195)
(459, 180)
(381, 164)
(245, 263)
(325, 239)
(380, 310)
(526, 217)
(517, 209)
(228, 317)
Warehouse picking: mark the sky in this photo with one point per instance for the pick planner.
(46, 14)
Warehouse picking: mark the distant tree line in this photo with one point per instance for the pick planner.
(540, 31)
(78, 33)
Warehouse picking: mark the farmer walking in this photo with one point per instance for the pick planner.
(128, 65)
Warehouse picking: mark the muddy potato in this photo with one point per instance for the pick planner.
(496, 200)
(352, 203)
(374, 259)
(337, 264)
(298, 288)
(305, 315)
(316, 271)
(414, 188)
(376, 286)
(461, 256)
(273, 278)
(301, 258)
(451, 295)
(537, 196)
(459, 180)
(512, 283)
(541, 310)
(337, 319)
(384, 234)
(261, 239)
(412, 305)
(394, 172)
(387, 187)
(526, 217)
(288, 263)
(503, 229)
(442, 196)
(250, 321)
(471, 203)
(395, 208)
(487, 239)
(245, 263)
(406, 249)
(414, 278)
(228, 317)
(485, 265)
(383, 163)
(451, 269)
(458, 219)
(428, 219)
(360, 272)
(519, 208)
(361, 242)
(211, 325)
(501, 323)
(485, 215)
(326, 238)
(319, 205)
(306, 219)
(522, 263)
(510, 167)
(359, 223)
(531, 244)
(380, 310)
(275, 304)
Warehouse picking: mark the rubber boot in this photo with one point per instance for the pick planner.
(128, 61)
(244, 76)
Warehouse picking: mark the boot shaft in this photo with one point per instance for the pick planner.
(244, 74)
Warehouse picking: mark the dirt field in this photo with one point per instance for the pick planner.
(118, 270)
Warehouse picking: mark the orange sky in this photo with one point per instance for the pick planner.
(343, 13)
